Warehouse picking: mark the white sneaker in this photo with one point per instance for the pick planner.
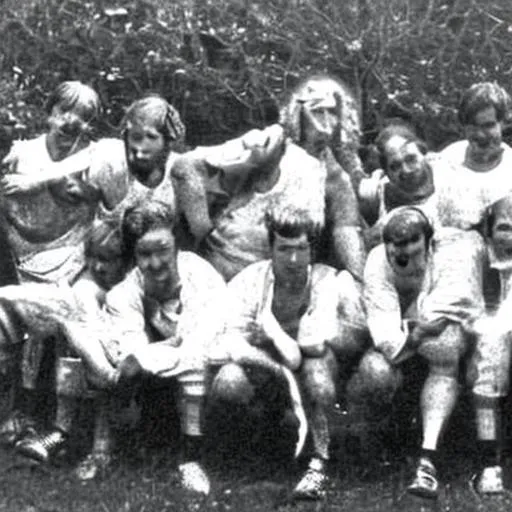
(490, 481)
(312, 485)
(425, 483)
(194, 478)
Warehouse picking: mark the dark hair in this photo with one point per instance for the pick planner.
(490, 214)
(164, 117)
(483, 95)
(105, 234)
(406, 221)
(400, 130)
(290, 222)
(142, 217)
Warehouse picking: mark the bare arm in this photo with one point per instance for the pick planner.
(343, 215)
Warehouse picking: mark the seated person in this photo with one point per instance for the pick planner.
(38, 308)
(282, 328)
(247, 172)
(490, 373)
(106, 266)
(421, 298)
(162, 318)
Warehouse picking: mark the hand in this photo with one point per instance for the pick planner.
(174, 341)
(12, 184)
(424, 330)
(263, 146)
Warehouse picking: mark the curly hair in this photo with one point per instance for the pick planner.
(154, 109)
(142, 217)
(397, 129)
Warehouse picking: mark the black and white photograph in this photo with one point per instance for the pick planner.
(256, 255)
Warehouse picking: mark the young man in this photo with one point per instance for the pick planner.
(490, 375)
(283, 324)
(161, 320)
(421, 298)
(295, 159)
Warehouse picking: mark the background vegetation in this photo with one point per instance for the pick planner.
(226, 64)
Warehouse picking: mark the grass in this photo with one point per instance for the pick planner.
(254, 472)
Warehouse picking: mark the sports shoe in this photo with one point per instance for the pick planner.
(490, 481)
(194, 478)
(16, 426)
(425, 483)
(42, 447)
(312, 485)
(94, 465)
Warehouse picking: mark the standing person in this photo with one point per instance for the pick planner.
(281, 330)
(297, 157)
(421, 299)
(152, 134)
(483, 159)
(46, 223)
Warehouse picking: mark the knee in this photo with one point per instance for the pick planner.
(321, 390)
(375, 377)
(445, 351)
(231, 384)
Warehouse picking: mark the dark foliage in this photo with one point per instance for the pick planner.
(226, 64)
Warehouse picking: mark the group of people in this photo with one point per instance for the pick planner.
(270, 262)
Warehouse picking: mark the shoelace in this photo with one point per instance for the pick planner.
(51, 440)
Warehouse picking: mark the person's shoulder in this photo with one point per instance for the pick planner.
(193, 267)
(132, 281)
(323, 271)
(108, 153)
(250, 274)
(377, 256)
(455, 149)
(297, 159)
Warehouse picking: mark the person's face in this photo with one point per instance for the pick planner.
(408, 257)
(106, 265)
(66, 132)
(291, 258)
(406, 164)
(146, 149)
(320, 117)
(155, 256)
(484, 134)
(501, 230)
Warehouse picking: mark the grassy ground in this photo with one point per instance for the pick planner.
(248, 473)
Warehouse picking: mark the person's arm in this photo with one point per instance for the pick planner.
(245, 335)
(12, 183)
(191, 195)
(287, 348)
(382, 305)
(342, 212)
(124, 311)
(319, 325)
